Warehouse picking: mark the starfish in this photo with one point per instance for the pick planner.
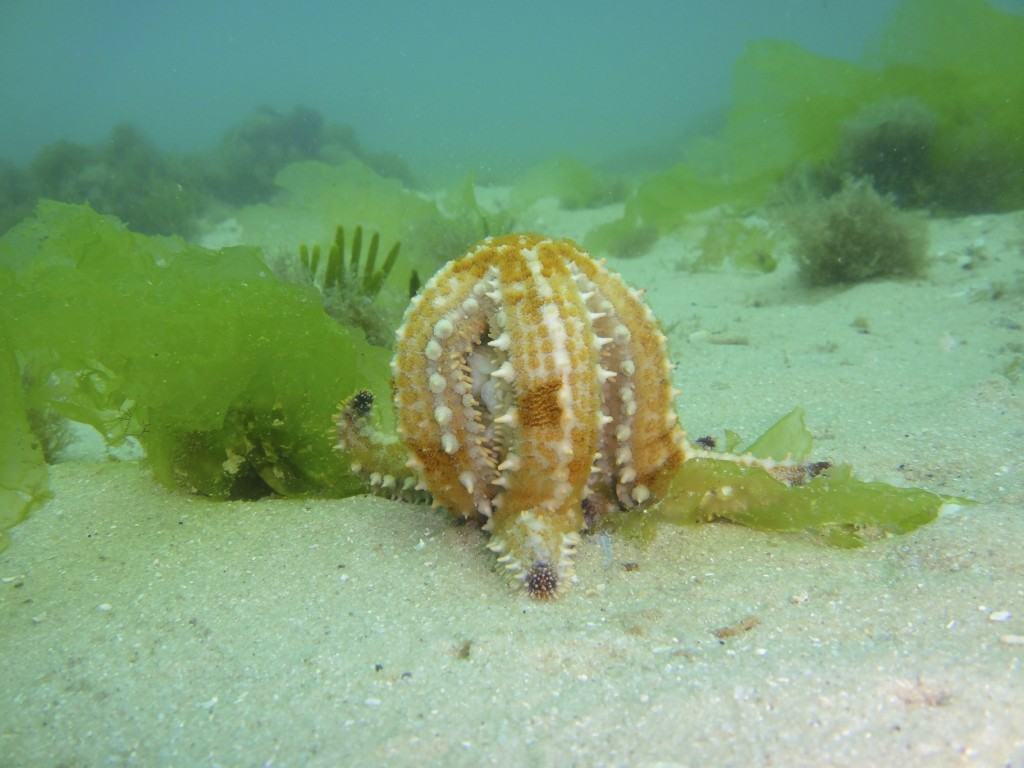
(533, 393)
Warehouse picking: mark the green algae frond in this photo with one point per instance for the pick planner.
(225, 375)
(572, 182)
(742, 245)
(23, 482)
(957, 62)
(846, 511)
(350, 284)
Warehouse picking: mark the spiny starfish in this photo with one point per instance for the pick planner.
(533, 392)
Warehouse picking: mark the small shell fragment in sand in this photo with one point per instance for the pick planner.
(737, 629)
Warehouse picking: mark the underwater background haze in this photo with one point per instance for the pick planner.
(446, 85)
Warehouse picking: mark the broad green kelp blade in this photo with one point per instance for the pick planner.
(227, 377)
(834, 503)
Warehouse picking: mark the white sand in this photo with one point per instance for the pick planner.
(145, 627)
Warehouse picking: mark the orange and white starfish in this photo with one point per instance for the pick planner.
(533, 392)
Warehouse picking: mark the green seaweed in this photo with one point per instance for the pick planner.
(788, 438)
(314, 196)
(833, 504)
(336, 275)
(23, 481)
(349, 284)
(575, 184)
(624, 237)
(226, 376)
(467, 220)
(732, 241)
(957, 61)
(125, 175)
(322, 195)
(253, 151)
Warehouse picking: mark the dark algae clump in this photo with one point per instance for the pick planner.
(164, 193)
(224, 374)
(125, 175)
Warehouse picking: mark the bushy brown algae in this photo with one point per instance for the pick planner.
(855, 235)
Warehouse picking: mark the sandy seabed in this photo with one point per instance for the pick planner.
(145, 627)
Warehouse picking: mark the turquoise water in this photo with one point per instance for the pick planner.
(446, 85)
